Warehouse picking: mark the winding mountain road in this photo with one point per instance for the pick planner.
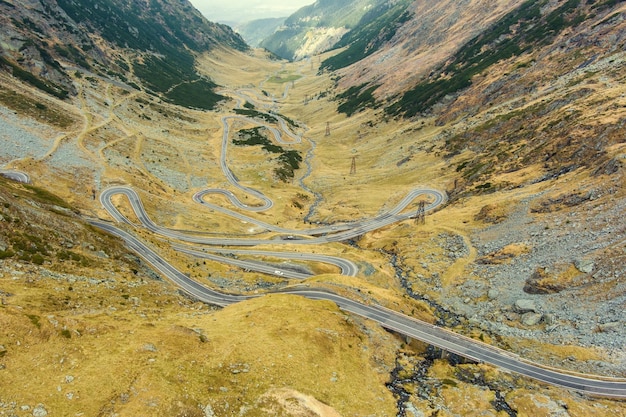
(325, 234)
(389, 319)
(15, 175)
(400, 323)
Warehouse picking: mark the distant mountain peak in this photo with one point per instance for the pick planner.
(316, 28)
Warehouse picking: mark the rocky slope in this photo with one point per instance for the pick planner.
(136, 43)
(538, 98)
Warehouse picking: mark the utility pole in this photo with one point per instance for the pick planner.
(327, 129)
(353, 166)
(420, 216)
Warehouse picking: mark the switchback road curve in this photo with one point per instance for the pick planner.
(319, 235)
(402, 324)
(15, 175)
(389, 319)
(335, 233)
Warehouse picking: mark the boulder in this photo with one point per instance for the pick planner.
(524, 306)
(610, 327)
(208, 411)
(531, 319)
(40, 411)
(584, 265)
(149, 347)
(548, 319)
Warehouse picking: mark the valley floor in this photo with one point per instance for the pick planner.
(536, 268)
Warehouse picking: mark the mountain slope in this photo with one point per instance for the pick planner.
(517, 65)
(526, 118)
(256, 31)
(375, 28)
(316, 28)
(426, 35)
(146, 45)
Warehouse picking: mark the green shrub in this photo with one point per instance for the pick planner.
(37, 259)
(289, 160)
(44, 85)
(356, 98)
(35, 320)
(257, 114)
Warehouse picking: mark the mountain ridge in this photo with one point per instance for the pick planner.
(255, 31)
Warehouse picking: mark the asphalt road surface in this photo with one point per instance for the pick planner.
(325, 234)
(389, 319)
(402, 324)
(16, 176)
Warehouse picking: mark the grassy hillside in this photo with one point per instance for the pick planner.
(524, 29)
(76, 338)
(145, 45)
(372, 31)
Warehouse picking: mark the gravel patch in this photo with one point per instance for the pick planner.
(175, 179)
(18, 138)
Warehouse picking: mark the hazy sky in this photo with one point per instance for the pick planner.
(246, 10)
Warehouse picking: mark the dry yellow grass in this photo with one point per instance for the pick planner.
(150, 351)
(530, 403)
(506, 254)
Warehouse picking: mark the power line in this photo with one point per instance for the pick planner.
(420, 216)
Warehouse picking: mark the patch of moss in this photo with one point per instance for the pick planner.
(46, 197)
(35, 109)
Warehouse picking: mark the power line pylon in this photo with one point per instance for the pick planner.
(327, 128)
(420, 216)
(353, 166)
